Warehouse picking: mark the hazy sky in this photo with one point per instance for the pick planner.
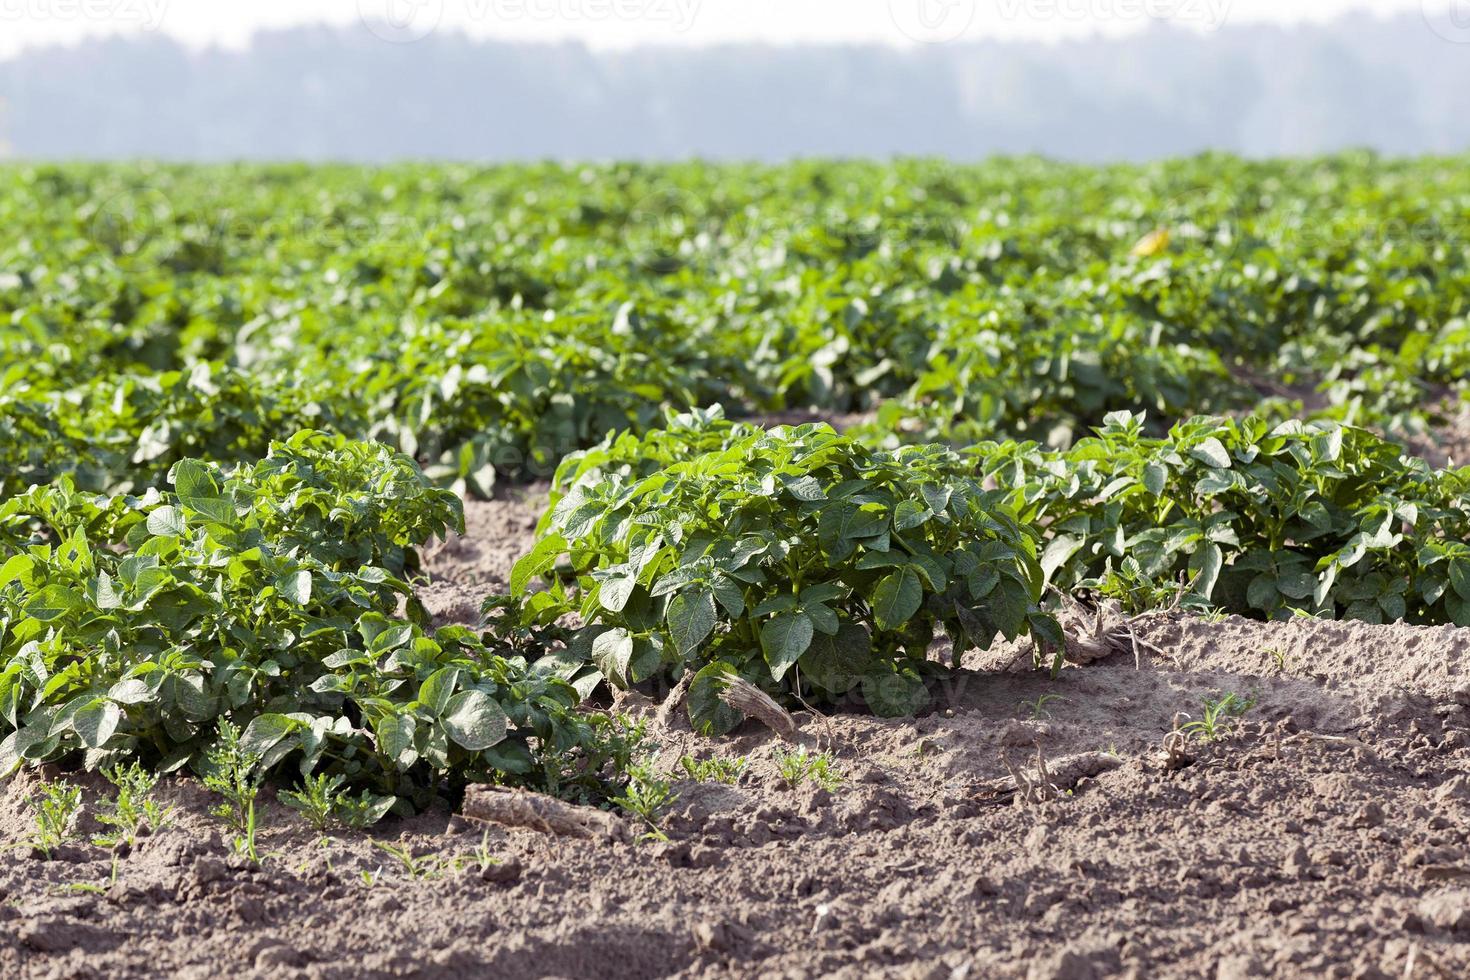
(625, 22)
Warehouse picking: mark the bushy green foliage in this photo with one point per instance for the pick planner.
(1260, 518)
(795, 557)
(265, 596)
(166, 333)
(488, 321)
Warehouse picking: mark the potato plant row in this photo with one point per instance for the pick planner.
(823, 571)
(234, 401)
(267, 596)
(489, 321)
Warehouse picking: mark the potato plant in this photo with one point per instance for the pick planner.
(1259, 518)
(266, 597)
(795, 558)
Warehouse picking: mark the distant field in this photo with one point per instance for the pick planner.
(487, 321)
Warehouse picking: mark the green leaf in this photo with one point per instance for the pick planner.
(731, 599)
(707, 713)
(1205, 565)
(806, 489)
(835, 663)
(1297, 585)
(1262, 593)
(1059, 552)
(894, 693)
(691, 618)
(1047, 631)
(785, 602)
(131, 691)
(266, 731)
(475, 721)
(540, 561)
(107, 594)
(616, 590)
(896, 598)
(53, 602)
(198, 492)
(823, 618)
(848, 522)
(1155, 478)
(97, 722)
(435, 692)
(911, 514)
(20, 568)
(395, 740)
(295, 587)
(1460, 577)
(1007, 606)
(612, 652)
(167, 522)
(1212, 452)
(784, 639)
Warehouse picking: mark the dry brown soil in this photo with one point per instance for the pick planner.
(1325, 835)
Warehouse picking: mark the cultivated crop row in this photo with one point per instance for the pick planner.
(229, 418)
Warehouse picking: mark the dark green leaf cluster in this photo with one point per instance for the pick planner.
(1260, 518)
(796, 558)
(266, 596)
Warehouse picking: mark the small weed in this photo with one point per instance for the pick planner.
(315, 800)
(55, 810)
(1278, 657)
(322, 803)
(1036, 710)
(1218, 715)
(134, 812)
(362, 811)
(726, 771)
(923, 749)
(647, 797)
(414, 867)
(85, 888)
(484, 857)
(232, 775)
(613, 743)
(799, 766)
(370, 878)
(481, 858)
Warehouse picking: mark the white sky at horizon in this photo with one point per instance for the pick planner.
(622, 23)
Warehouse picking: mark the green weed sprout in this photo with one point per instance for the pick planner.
(233, 776)
(55, 809)
(799, 766)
